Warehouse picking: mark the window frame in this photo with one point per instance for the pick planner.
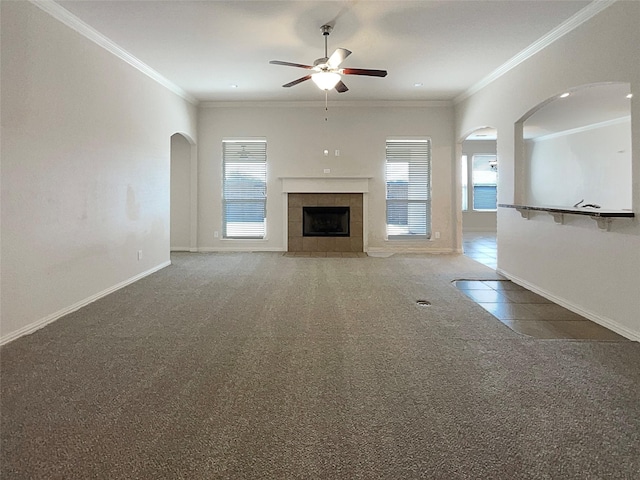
(464, 165)
(468, 201)
(391, 157)
(258, 156)
(473, 184)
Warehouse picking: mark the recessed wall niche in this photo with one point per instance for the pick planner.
(576, 147)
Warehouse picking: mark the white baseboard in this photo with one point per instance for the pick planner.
(240, 249)
(38, 324)
(478, 230)
(400, 249)
(180, 249)
(600, 320)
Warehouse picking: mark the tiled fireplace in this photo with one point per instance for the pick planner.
(329, 242)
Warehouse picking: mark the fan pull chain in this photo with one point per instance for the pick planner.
(326, 106)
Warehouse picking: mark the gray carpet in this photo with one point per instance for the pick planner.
(265, 366)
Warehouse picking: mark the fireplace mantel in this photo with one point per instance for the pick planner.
(325, 184)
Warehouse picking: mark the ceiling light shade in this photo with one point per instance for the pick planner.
(326, 80)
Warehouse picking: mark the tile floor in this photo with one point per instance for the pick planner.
(516, 307)
(530, 314)
(326, 254)
(482, 247)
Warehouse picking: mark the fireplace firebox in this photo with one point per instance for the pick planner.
(325, 221)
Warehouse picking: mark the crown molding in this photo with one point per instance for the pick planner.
(586, 128)
(332, 104)
(561, 30)
(65, 16)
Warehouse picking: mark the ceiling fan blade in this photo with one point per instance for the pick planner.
(289, 64)
(364, 71)
(338, 57)
(295, 82)
(341, 87)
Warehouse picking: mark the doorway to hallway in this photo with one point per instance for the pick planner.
(479, 199)
(481, 247)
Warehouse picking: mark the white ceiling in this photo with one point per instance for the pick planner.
(204, 47)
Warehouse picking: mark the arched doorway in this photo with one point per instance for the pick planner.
(479, 194)
(183, 194)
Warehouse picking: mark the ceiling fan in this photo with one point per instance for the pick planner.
(327, 74)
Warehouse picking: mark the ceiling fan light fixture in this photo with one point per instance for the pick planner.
(326, 80)
(326, 72)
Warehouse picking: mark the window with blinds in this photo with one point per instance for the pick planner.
(485, 182)
(244, 189)
(408, 178)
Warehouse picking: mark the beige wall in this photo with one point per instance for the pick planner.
(85, 169)
(593, 165)
(594, 272)
(296, 138)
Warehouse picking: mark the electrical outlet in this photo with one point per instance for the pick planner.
(437, 234)
(216, 234)
(337, 153)
(327, 170)
(139, 255)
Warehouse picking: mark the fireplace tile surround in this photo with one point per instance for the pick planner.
(298, 243)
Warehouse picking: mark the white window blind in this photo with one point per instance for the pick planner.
(244, 173)
(485, 182)
(408, 177)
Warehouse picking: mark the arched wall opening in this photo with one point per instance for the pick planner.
(479, 180)
(575, 149)
(476, 191)
(184, 206)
